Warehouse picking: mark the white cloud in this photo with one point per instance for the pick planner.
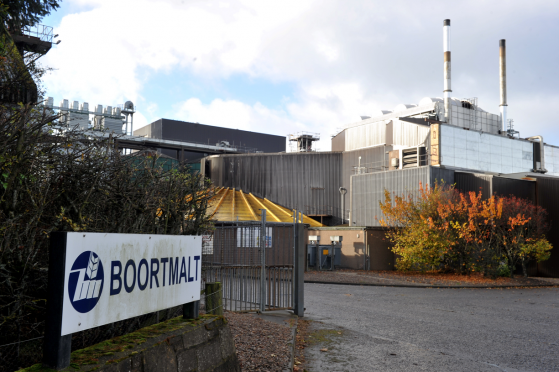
(345, 58)
(237, 115)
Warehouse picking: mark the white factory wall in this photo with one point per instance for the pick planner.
(487, 152)
(551, 160)
(367, 135)
(477, 120)
(409, 135)
(393, 132)
(409, 112)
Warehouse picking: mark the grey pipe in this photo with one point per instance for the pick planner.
(343, 191)
(503, 83)
(447, 70)
(542, 159)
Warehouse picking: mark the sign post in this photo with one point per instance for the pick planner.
(56, 348)
(97, 279)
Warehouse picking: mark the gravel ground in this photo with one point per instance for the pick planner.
(261, 345)
(429, 329)
(417, 279)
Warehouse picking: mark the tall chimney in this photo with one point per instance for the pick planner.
(503, 82)
(447, 87)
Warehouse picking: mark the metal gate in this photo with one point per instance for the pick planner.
(234, 255)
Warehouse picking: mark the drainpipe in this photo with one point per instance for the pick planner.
(343, 191)
(446, 58)
(542, 164)
(366, 249)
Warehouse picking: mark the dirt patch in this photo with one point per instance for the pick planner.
(315, 341)
(261, 345)
(419, 279)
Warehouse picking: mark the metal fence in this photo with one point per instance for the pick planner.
(234, 255)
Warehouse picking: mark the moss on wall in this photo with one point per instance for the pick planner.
(165, 338)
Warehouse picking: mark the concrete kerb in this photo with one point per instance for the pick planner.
(293, 344)
(432, 286)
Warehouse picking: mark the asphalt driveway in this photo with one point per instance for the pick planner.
(422, 329)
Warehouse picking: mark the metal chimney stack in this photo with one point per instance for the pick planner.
(447, 86)
(503, 82)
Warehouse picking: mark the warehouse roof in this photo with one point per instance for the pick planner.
(235, 205)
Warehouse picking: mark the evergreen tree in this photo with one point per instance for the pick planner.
(18, 14)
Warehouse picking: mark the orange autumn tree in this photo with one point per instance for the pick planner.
(521, 233)
(438, 228)
(478, 232)
(421, 238)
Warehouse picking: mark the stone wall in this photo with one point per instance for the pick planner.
(205, 344)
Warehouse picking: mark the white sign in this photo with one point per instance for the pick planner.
(249, 237)
(112, 277)
(208, 244)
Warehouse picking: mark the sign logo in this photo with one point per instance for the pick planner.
(85, 283)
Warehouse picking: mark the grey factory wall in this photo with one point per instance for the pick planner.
(367, 190)
(466, 182)
(372, 159)
(489, 185)
(520, 188)
(547, 196)
(338, 141)
(185, 131)
(200, 133)
(304, 181)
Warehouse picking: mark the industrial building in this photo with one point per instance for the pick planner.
(439, 139)
(183, 141)
(181, 131)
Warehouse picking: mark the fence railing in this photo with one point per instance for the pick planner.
(233, 255)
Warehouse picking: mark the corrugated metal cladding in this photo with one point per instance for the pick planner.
(152, 131)
(373, 159)
(409, 134)
(547, 196)
(308, 182)
(366, 135)
(520, 188)
(368, 190)
(466, 182)
(393, 132)
(489, 185)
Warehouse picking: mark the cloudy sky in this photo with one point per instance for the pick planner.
(281, 67)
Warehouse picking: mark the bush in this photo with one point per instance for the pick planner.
(54, 179)
(440, 228)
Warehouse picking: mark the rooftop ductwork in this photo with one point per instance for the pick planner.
(539, 159)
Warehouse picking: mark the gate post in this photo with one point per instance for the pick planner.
(263, 263)
(191, 310)
(214, 301)
(56, 348)
(299, 269)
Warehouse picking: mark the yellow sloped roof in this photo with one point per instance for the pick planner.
(235, 205)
